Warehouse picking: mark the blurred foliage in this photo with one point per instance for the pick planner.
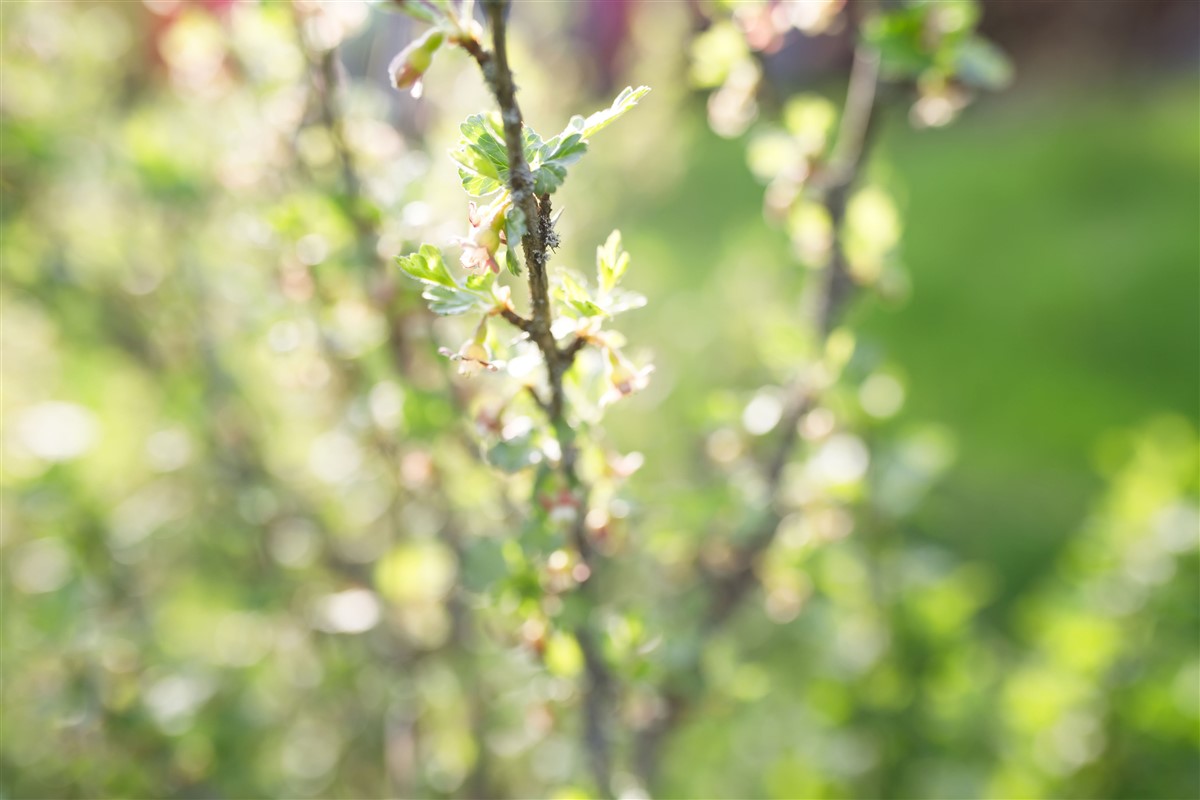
(251, 548)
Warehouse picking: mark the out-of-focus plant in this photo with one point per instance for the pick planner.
(561, 366)
(1105, 667)
(845, 230)
(246, 468)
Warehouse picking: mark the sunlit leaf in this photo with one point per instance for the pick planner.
(446, 296)
(611, 262)
(575, 294)
(427, 266)
(625, 101)
(481, 155)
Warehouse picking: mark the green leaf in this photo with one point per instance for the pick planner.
(549, 161)
(514, 230)
(626, 100)
(514, 226)
(481, 283)
(611, 262)
(450, 302)
(427, 266)
(445, 295)
(572, 292)
(553, 159)
(620, 300)
(478, 185)
(511, 261)
(899, 37)
(481, 155)
(531, 144)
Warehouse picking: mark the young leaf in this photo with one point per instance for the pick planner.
(611, 262)
(514, 229)
(575, 294)
(553, 159)
(449, 302)
(427, 266)
(446, 296)
(481, 156)
(626, 100)
(481, 283)
(620, 300)
(550, 161)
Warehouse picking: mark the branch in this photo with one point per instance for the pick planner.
(568, 353)
(598, 694)
(520, 180)
(729, 588)
(857, 122)
(517, 320)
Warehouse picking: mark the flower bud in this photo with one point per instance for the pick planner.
(624, 378)
(473, 356)
(409, 66)
(479, 249)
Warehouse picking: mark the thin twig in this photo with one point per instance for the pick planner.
(517, 320)
(568, 353)
(536, 209)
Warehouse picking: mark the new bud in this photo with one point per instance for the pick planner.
(409, 66)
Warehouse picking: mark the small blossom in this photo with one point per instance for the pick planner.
(479, 249)
(473, 357)
(625, 379)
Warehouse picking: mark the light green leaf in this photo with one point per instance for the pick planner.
(611, 262)
(478, 185)
(626, 100)
(531, 144)
(575, 294)
(514, 229)
(449, 302)
(620, 300)
(481, 155)
(427, 266)
(446, 296)
(553, 158)
(549, 162)
(482, 283)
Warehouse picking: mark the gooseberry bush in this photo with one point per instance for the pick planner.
(314, 491)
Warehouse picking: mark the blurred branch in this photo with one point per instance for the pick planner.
(731, 585)
(836, 180)
(326, 78)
